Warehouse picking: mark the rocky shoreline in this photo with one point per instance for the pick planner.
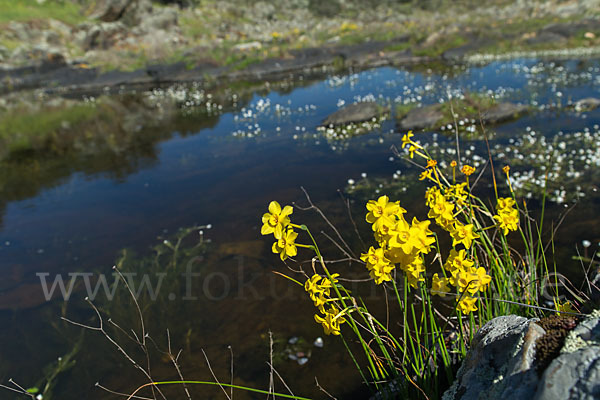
(116, 45)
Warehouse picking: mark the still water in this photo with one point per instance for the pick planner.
(220, 176)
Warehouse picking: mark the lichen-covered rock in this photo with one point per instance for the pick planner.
(422, 117)
(499, 363)
(502, 361)
(353, 113)
(575, 374)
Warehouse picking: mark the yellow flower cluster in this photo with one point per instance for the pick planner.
(400, 243)
(319, 289)
(508, 216)
(277, 222)
(443, 204)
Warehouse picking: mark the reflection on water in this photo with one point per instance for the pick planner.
(74, 214)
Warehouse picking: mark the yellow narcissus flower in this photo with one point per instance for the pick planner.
(463, 234)
(378, 265)
(427, 174)
(456, 262)
(508, 221)
(416, 237)
(441, 210)
(286, 246)
(483, 279)
(467, 305)
(505, 204)
(276, 219)
(414, 272)
(382, 213)
(430, 195)
(467, 282)
(331, 322)
(457, 193)
(406, 139)
(439, 285)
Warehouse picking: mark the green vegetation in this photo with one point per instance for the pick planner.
(30, 10)
(22, 131)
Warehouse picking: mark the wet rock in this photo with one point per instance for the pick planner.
(502, 112)
(499, 363)
(587, 104)
(353, 113)
(422, 117)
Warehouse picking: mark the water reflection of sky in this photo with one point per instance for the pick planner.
(213, 177)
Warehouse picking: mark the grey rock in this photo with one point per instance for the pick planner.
(545, 37)
(353, 113)
(572, 376)
(100, 36)
(422, 117)
(248, 46)
(587, 104)
(502, 112)
(20, 31)
(499, 363)
(110, 10)
(163, 18)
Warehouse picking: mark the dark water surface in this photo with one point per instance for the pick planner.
(225, 175)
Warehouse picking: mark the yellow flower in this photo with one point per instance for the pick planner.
(453, 163)
(319, 289)
(505, 204)
(467, 170)
(406, 139)
(458, 261)
(411, 151)
(463, 234)
(286, 246)
(439, 286)
(505, 169)
(378, 265)
(431, 163)
(430, 195)
(426, 174)
(467, 304)
(276, 219)
(457, 193)
(566, 307)
(331, 322)
(483, 279)
(417, 237)
(382, 213)
(508, 221)
(441, 210)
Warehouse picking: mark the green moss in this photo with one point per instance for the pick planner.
(440, 46)
(28, 10)
(403, 109)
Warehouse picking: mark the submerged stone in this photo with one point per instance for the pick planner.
(353, 113)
